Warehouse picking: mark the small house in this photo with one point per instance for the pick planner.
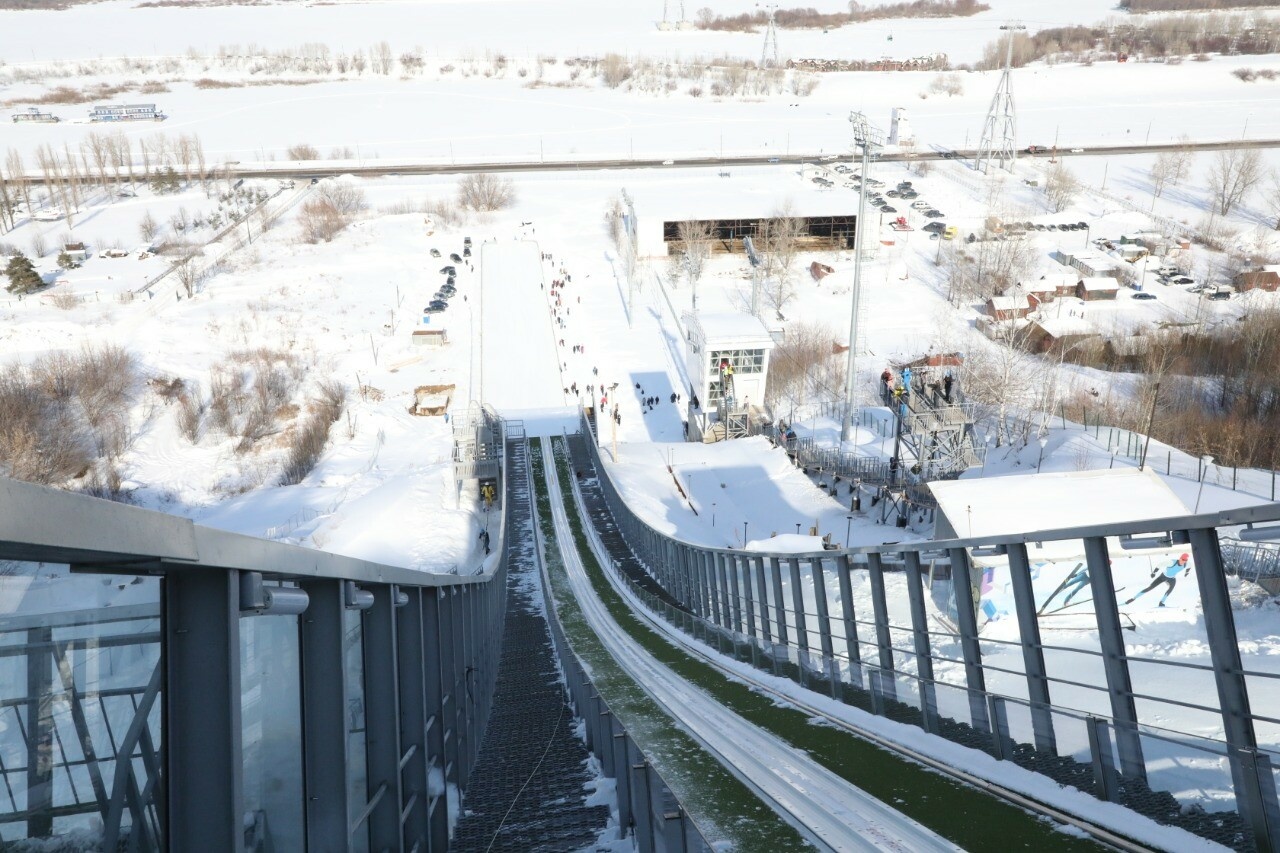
(125, 112)
(1266, 277)
(429, 337)
(1058, 334)
(1094, 265)
(1013, 306)
(431, 400)
(78, 252)
(1097, 288)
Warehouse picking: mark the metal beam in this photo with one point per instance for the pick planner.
(1233, 692)
(920, 636)
(967, 622)
(204, 771)
(848, 615)
(411, 656)
(1032, 649)
(324, 718)
(1115, 664)
(382, 716)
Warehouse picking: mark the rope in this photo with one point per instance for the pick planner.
(532, 773)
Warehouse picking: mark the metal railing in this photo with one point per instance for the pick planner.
(166, 686)
(795, 614)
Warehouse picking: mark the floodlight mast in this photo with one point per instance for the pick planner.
(869, 140)
(1000, 131)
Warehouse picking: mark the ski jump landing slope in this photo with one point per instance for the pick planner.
(834, 814)
(518, 350)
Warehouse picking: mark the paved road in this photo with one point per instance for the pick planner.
(318, 169)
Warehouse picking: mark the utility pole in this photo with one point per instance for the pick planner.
(870, 140)
(1000, 132)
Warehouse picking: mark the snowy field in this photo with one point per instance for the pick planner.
(546, 321)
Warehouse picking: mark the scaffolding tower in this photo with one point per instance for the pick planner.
(1000, 132)
(770, 48)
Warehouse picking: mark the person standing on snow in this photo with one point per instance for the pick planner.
(1168, 576)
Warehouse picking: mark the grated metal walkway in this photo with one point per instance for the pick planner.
(527, 792)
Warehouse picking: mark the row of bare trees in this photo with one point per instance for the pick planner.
(102, 160)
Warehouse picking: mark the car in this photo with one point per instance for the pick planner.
(904, 185)
(1040, 226)
(435, 306)
(668, 162)
(1051, 227)
(435, 253)
(1035, 149)
(1077, 150)
(935, 227)
(950, 233)
(449, 281)
(455, 257)
(775, 160)
(1220, 295)
(948, 155)
(1143, 296)
(888, 208)
(1083, 226)
(1182, 279)
(448, 269)
(933, 213)
(920, 205)
(842, 169)
(466, 251)
(893, 193)
(909, 194)
(466, 241)
(830, 157)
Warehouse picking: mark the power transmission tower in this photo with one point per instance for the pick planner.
(869, 140)
(1000, 132)
(770, 37)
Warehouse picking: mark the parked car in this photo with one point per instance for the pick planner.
(1144, 296)
(1182, 279)
(466, 251)
(1083, 226)
(448, 269)
(934, 213)
(1220, 295)
(888, 208)
(466, 241)
(951, 232)
(920, 205)
(935, 227)
(455, 257)
(909, 194)
(435, 306)
(449, 281)
(435, 253)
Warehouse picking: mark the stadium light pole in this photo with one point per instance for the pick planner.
(868, 140)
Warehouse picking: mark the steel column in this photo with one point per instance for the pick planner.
(880, 609)
(749, 605)
(382, 715)
(411, 654)
(1032, 649)
(437, 758)
(920, 636)
(204, 770)
(762, 585)
(1115, 664)
(824, 626)
(735, 592)
(967, 622)
(721, 562)
(39, 733)
(775, 569)
(847, 614)
(324, 718)
(1233, 692)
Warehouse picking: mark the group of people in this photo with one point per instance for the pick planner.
(898, 389)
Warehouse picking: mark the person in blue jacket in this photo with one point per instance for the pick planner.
(1167, 576)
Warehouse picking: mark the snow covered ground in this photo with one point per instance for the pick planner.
(344, 310)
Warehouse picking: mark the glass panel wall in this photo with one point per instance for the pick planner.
(357, 772)
(79, 686)
(270, 680)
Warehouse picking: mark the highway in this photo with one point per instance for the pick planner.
(320, 168)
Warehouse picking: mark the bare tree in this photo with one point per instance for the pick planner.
(485, 192)
(1233, 175)
(1162, 173)
(984, 268)
(382, 59)
(804, 367)
(695, 242)
(188, 272)
(302, 151)
(148, 228)
(18, 174)
(778, 240)
(1060, 186)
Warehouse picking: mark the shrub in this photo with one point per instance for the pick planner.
(485, 192)
(307, 440)
(302, 151)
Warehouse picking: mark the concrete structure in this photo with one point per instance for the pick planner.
(727, 358)
(900, 132)
(830, 217)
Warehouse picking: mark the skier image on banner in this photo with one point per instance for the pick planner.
(1167, 576)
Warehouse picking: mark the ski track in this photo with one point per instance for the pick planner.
(835, 814)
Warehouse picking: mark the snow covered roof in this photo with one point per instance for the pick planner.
(763, 196)
(1061, 327)
(1099, 283)
(1010, 302)
(729, 329)
(989, 506)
